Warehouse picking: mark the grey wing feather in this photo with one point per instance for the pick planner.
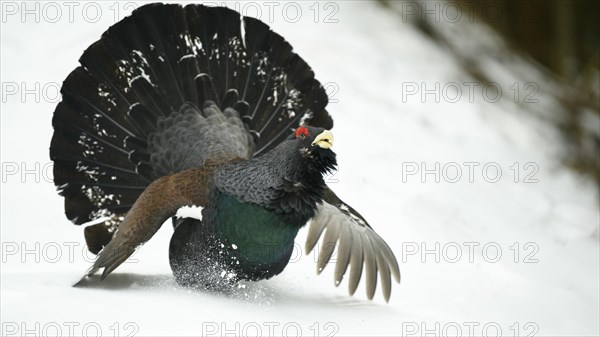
(356, 265)
(358, 245)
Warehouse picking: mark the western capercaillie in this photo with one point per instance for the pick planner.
(196, 106)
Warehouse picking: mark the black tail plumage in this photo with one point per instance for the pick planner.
(144, 69)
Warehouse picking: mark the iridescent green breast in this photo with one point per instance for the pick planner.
(256, 242)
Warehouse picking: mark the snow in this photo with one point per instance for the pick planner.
(519, 255)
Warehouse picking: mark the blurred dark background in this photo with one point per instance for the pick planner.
(560, 36)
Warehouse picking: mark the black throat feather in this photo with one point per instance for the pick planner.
(303, 187)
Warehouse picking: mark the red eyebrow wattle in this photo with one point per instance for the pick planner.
(302, 131)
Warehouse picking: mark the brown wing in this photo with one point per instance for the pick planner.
(159, 201)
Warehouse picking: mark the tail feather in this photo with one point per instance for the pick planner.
(149, 96)
(145, 120)
(206, 89)
(188, 68)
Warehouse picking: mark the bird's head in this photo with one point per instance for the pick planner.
(314, 146)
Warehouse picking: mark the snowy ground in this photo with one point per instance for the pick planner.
(519, 256)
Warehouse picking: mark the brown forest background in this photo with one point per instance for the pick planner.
(563, 36)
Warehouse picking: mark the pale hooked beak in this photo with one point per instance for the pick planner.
(324, 140)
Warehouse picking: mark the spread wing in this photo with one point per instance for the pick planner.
(159, 201)
(358, 245)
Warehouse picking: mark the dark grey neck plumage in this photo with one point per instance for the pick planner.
(287, 180)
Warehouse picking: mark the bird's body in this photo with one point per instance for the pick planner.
(177, 106)
(251, 242)
(254, 211)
